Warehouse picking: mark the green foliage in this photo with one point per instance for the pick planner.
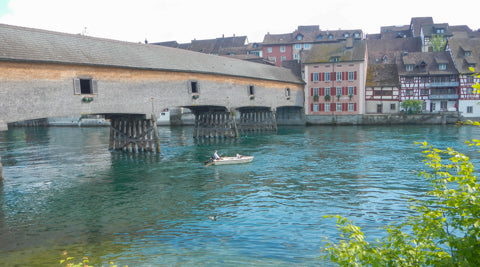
(438, 42)
(444, 230)
(412, 106)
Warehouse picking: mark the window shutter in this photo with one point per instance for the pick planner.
(76, 86)
(344, 106)
(354, 106)
(311, 76)
(321, 91)
(344, 76)
(94, 87)
(321, 107)
(322, 76)
(355, 75)
(334, 78)
(332, 107)
(344, 91)
(311, 107)
(355, 90)
(311, 91)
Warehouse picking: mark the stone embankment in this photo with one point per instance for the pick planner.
(440, 118)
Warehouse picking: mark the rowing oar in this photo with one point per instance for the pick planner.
(206, 165)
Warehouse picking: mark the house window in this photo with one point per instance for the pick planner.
(315, 91)
(356, 35)
(409, 67)
(468, 53)
(299, 37)
(392, 106)
(442, 66)
(283, 58)
(251, 90)
(351, 106)
(327, 106)
(316, 77)
(298, 46)
(346, 35)
(470, 109)
(296, 56)
(320, 37)
(350, 90)
(306, 46)
(85, 86)
(351, 75)
(339, 76)
(269, 49)
(330, 36)
(287, 92)
(327, 76)
(334, 59)
(193, 87)
(282, 49)
(315, 107)
(339, 107)
(339, 91)
(273, 59)
(327, 91)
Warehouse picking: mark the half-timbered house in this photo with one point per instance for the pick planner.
(466, 56)
(430, 77)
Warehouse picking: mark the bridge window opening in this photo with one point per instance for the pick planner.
(251, 90)
(85, 86)
(193, 87)
(287, 92)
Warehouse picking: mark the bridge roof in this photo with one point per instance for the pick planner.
(35, 45)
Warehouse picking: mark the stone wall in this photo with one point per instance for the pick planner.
(386, 119)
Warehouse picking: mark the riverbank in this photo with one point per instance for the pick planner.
(440, 118)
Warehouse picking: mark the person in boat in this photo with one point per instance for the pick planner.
(239, 156)
(215, 156)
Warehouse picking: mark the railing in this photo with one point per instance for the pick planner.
(444, 84)
(443, 96)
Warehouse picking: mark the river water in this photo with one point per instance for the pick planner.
(64, 190)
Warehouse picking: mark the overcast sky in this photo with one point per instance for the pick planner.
(185, 20)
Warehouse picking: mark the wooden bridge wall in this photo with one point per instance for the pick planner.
(40, 90)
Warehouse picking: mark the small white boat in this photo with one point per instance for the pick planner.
(232, 160)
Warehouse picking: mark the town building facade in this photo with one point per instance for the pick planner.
(335, 75)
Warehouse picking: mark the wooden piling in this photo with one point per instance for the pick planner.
(134, 134)
(1, 170)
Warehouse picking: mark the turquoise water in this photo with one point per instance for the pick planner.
(64, 190)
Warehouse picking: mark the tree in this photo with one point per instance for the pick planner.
(412, 106)
(438, 42)
(445, 227)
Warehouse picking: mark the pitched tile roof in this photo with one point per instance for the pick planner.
(310, 34)
(385, 49)
(417, 23)
(465, 53)
(34, 45)
(324, 52)
(382, 75)
(430, 61)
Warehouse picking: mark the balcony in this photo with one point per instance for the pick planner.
(444, 84)
(437, 97)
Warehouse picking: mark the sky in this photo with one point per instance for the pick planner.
(186, 20)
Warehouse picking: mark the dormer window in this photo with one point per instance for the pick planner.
(346, 35)
(299, 37)
(356, 35)
(468, 53)
(409, 67)
(334, 59)
(319, 37)
(330, 36)
(423, 66)
(442, 66)
(385, 59)
(440, 30)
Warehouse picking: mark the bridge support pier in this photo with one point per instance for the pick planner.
(215, 124)
(134, 133)
(257, 120)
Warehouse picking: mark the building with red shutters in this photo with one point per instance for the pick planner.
(335, 75)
